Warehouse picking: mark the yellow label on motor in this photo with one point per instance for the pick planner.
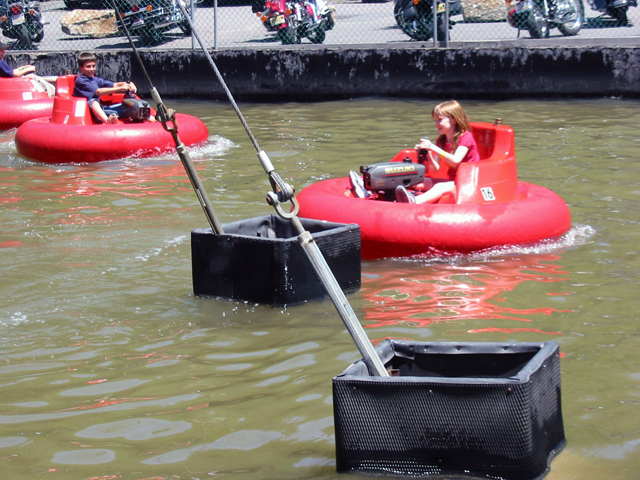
(399, 169)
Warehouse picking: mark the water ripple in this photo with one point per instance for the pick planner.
(242, 440)
(135, 429)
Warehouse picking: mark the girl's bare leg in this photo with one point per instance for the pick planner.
(437, 191)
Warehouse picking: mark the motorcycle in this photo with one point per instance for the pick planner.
(540, 16)
(22, 20)
(415, 17)
(616, 9)
(292, 20)
(151, 19)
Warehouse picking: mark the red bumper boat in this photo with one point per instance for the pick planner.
(20, 101)
(492, 207)
(70, 134)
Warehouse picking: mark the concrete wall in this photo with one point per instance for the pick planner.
(322, 73)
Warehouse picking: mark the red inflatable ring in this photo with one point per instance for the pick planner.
(492, 207)
(71, 135)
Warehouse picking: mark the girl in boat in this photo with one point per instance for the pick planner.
(455, 145)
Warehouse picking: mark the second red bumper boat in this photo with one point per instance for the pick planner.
(71, 135)
(20, 101)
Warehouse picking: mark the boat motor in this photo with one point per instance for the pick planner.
(136, 109)
(387, 176)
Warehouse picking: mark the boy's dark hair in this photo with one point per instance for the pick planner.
(85, 57)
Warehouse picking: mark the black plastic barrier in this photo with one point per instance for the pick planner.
(260, 260)
(464, 409)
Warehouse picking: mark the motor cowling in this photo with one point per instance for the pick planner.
(388, 175)
(136, 109)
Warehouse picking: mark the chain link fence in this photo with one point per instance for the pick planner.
(76, 25)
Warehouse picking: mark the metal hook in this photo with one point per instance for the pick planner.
(272, 199)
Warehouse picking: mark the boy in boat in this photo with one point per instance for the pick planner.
(91, 87)
(7, 72)
(454, 146)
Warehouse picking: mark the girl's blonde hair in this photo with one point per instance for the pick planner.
(454, 110)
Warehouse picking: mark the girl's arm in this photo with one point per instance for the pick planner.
(453, 159)
(434, 163)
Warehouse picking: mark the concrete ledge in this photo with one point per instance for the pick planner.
(311, 73)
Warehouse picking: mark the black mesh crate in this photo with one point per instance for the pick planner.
(260, 260)
(489, 410)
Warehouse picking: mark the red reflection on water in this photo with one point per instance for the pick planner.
(424, 294)
(9, 200)
(106, 403)
(6, 185)
(10, 244)
(135, 179)
(511, 330)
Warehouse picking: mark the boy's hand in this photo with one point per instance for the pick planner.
(27, 69)
(126, 86)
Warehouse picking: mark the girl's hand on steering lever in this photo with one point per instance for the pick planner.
(425, 143)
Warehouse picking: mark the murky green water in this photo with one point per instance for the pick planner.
(110, 368)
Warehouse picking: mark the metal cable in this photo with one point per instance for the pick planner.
(283, 192)
(168, 115)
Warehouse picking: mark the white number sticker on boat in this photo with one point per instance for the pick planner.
(27, 95)
(487, 194)
(79, 112)
(66, 119)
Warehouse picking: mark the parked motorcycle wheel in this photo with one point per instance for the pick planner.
(318, 35)
(151, 36)
(36, 31)
(620, 15)
(23, 42)
(572, 28)
(184, 25)
(72, 4)
(328, 21)
(537, 24)
(420, 27)
(288, 35)
(442, 28)
(185, 28)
